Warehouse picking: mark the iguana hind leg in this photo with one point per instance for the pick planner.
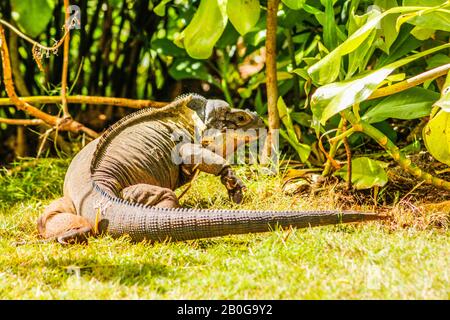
(150, 195)
(61, 223)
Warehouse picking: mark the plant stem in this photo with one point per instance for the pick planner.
(412, 82)
(348, 151)
(271, 73)
(65, 68)
(333, 149)
(394, 151)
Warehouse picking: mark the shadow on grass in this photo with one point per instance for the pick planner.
(127, 274)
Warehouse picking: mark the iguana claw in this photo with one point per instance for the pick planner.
(234, 185)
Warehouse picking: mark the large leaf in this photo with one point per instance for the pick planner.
(294, 4)
(331, 99)
(243, 14)
(330, 27)
(191, 69)
(387, 25)
(165, 47)
(358, 58)
(409, 104)
(433, 19)
(32, 15)
(303, 150)
(327, 69)
(436, 135)
(444, 101)
(366, 173)
(160, 9)
(205, 28)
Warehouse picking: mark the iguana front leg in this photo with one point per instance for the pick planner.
(194, 156)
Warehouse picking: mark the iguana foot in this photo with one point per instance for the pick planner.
(234, 185)
(150, 195)
(59, 222)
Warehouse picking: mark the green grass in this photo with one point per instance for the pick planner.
(365, 261)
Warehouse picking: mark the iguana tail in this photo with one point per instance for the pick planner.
(160, 224)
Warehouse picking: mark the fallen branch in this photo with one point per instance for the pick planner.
(78, 99)
(22, 122)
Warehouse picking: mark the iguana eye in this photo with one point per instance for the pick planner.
(241, 118)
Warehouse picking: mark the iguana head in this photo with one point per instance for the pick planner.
(236, 126)
(217, 114)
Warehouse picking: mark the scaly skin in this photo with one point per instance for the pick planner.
(123, 182)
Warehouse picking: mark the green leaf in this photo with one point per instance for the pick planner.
(229, 37)
(404, 44)
(190, 69)
(444, 101)
(285, 118)
(437, 60)
(33, 16)
(366, 173)
(331, 99)
(327, 69)
(243, 14)
(205, 28)
(294, 4)
(330, 27)
(422, 33)
(302, 118)
(436, 135)
(409, 104)
(166, 47)
(430, 19)
(387, 30)
(160, 9)
(303, 150)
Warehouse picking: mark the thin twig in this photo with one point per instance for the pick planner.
(44, 139)
(34, 43)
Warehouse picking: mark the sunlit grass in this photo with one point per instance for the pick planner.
(372, 260)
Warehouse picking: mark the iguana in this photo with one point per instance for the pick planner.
(122, 183)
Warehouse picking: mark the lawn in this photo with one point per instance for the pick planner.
(407, 257)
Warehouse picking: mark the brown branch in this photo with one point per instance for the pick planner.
(348, 151)
(271, 72)
(65, 68)
(22, 122)
(411, 82)
(61, 124)
(78, 99)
